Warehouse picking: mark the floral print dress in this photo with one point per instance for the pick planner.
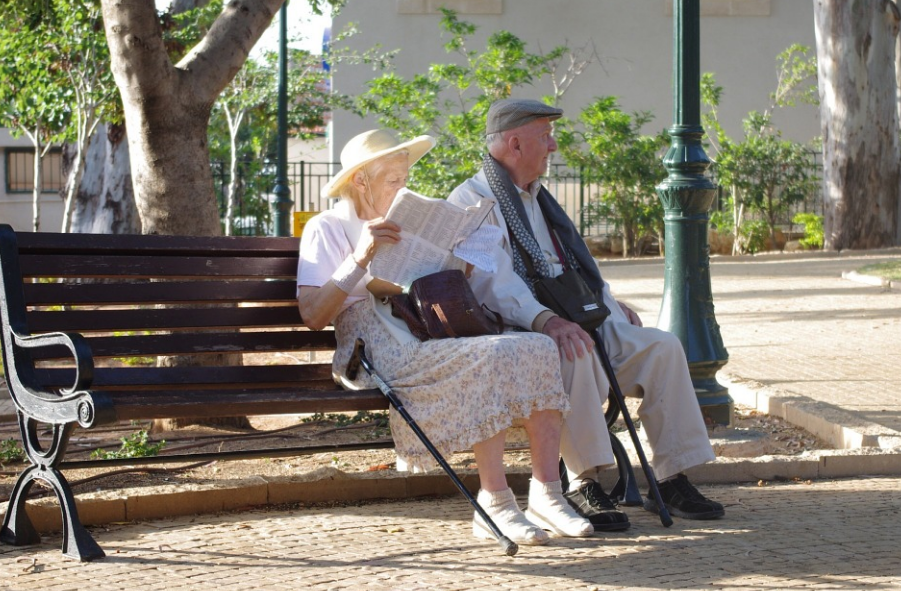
(459, 391)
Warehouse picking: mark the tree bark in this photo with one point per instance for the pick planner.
(856, 43)
(167, 107)
(167, 111)
(105, 202)
(38, 185)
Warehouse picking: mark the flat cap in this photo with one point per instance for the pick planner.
(512, 113)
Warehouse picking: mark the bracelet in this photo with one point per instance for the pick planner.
(348, 275)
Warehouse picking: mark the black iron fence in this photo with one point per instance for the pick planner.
(253, 208)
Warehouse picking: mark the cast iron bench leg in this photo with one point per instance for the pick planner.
(18, 530)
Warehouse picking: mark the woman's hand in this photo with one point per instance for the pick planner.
(375, 233)
(382, 289)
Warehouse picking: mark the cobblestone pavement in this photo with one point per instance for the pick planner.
(791, 535)
(793, 324)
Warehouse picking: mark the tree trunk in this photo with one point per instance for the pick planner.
(859, 114)
(628, 239)
(105, 202)
(232, 196)
(898, 97)
(167, 111)
(167, 107)
(38, 185)
(738, 216)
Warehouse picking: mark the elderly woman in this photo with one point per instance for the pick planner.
(463, 392)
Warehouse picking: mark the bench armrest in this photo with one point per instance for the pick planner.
(77, 345)
(75, 403)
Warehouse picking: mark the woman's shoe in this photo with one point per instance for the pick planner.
(501, 507)
(550, 510)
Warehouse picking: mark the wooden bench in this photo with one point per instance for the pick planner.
(70, 300)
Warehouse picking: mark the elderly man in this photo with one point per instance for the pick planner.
(649, 363)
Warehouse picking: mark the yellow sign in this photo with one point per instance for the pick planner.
(300, 220)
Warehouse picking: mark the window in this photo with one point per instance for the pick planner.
(20, 171)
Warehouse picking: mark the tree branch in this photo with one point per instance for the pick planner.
(221, 53)
(140, 63)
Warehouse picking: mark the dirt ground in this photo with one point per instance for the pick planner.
(777, 438)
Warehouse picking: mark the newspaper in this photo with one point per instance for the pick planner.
(430, 230)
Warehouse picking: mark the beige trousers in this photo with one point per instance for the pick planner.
(649, 363)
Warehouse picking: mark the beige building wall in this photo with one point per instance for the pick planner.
(17, 209)
(740, 40)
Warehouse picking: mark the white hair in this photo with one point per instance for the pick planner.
(367, 171)
(494, 139)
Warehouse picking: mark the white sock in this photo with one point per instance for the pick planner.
(503, 510)
(550, 510)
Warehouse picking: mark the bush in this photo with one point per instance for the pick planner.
(136, 445)
(10, 451)
(755, 233)
(813, 229)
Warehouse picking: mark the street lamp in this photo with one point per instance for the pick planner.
(283, 203)
(687, 195)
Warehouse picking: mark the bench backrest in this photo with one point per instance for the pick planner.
(139, 296)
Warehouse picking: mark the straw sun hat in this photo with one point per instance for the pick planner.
(369, 146)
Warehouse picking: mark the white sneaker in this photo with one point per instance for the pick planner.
(501, 507)
(550, 510)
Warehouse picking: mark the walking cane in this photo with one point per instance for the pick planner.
(665, 518)
(353, 366)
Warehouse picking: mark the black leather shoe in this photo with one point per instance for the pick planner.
(592, 503)
(683, 500)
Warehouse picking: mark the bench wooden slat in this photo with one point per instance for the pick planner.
(106, 320)
(152, 345)
(91, 266)
(215, 246)
(230, 377)
(142, 405)
(160, 292)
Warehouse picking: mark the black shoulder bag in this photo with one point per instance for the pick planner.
(567, 294)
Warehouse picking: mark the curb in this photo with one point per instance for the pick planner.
(862, 449)
(841, 429)
(329, 485)
(871, 280)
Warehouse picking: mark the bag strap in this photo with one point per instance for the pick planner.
(436, 308)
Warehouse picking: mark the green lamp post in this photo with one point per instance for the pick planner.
(282, 191)
(687, 194)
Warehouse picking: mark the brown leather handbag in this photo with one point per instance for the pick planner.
(442, 305)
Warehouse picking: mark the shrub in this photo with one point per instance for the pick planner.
(10, 451)
(136, 445)
(813, 229)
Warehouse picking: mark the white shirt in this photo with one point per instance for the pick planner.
(506, 292)
(325, 244)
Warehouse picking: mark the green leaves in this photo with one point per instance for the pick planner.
(450, 100)
(10, 451)
(813, 229)
(136, 445)
(766, 174)
(607, 145)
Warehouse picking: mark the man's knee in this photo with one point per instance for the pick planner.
(667, 344)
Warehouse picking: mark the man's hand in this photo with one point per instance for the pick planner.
(569, 336)
(633, 318)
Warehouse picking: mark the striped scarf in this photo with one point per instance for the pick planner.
(574, 249)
